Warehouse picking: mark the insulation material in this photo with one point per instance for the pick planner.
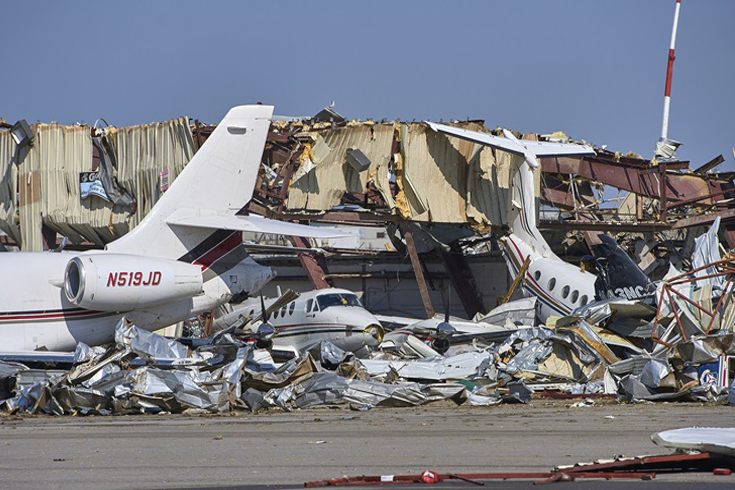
(143, 152)
(565, 363)
(8, 187)
(322, 186)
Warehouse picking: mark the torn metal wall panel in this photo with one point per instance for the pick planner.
(488, 184)
(435, 170)
(29, 198)
(143, 152)
(63, 152)
(8, 187)
(322, 186)
(46, 182)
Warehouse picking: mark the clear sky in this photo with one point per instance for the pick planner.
(594, 69)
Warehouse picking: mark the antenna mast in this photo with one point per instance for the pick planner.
(665, 147)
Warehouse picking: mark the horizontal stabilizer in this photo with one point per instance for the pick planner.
(252, 224)
(519, 147)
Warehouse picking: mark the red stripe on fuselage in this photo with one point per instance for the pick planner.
(220, 250)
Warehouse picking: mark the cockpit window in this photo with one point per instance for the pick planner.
(308, 306)
(337, 299)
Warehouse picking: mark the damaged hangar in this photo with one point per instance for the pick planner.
(434, 205)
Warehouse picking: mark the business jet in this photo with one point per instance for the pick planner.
(559, 286)
(185, 257)
(304, 320)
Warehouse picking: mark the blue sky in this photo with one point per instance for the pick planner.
(593, 69)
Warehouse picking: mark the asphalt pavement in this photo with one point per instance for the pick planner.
(284, 450)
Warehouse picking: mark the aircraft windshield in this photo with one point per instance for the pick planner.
(337, 299)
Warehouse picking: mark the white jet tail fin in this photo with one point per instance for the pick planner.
(523, 212)
(218, 181)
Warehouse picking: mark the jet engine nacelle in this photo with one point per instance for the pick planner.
(120, 282)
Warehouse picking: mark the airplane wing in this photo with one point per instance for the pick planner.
(519, 147)
(253, 224)
(476, 137)
(549, 149)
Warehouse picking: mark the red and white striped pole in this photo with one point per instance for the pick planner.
(669, 70)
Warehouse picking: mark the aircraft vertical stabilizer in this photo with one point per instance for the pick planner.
(218, 181)
(523, 211)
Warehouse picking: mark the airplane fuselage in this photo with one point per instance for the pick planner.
(333, 315)
(36, 314)
(560, 287)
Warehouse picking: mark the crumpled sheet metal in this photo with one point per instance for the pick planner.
(707, 251)
(460, 366)
(182, 385)
(584, 332)
(520, 312)
(528, 358)
(567, 358)
(148, 345)
(702, 350)
(106, 383)
(287, 374)
(329, 388)
(654, 373)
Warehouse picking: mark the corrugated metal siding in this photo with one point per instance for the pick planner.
(322, 188)
(8, 187)
(440, 179)
(48, 180)
(143, 152)
(64, 152)
(436, 169)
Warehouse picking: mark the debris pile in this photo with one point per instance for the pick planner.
(146, 373)
(678, 348)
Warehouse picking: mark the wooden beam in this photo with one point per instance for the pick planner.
(418, 270)
(516, 281)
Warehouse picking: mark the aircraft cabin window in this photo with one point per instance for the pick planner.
(291, 307)
(308, 306)
(575, 296)
(275, 314)
(583, 301)
(565, 291)
(552, 283)
(252, 312)
(537, 275)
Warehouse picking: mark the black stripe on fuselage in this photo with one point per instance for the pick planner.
(208, 244)
(40, 312)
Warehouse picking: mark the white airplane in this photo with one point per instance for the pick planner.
(335, 315)
(184, 258)
(559, 286)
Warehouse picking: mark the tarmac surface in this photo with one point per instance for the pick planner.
(284, 450)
